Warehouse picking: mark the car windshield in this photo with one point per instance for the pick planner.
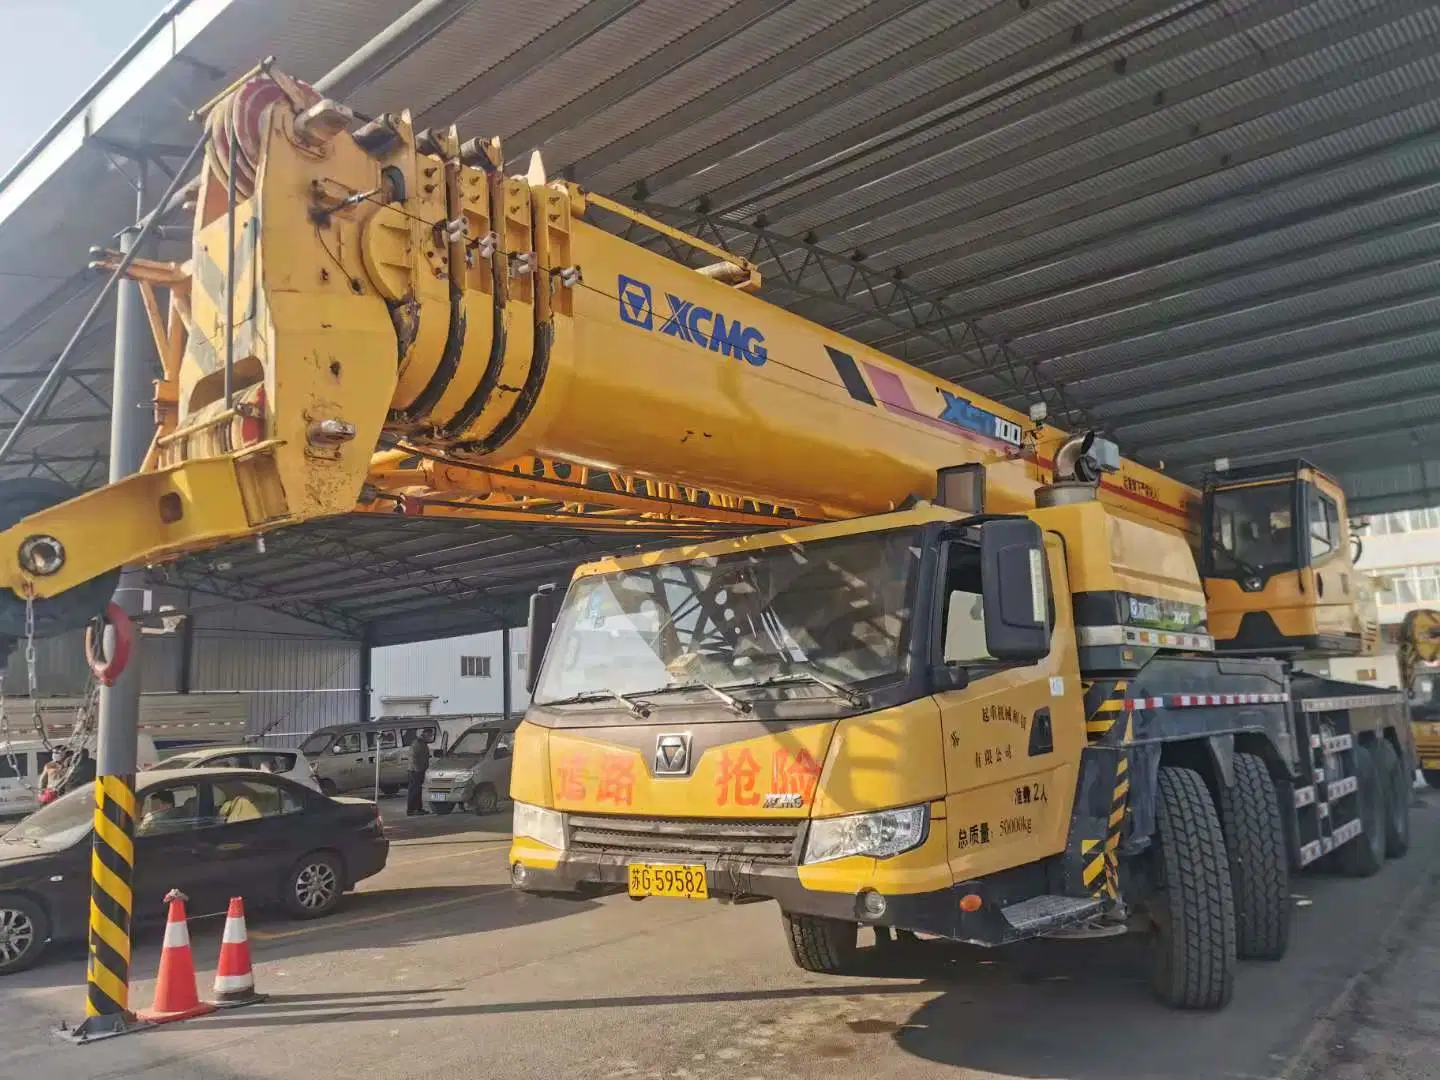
(838, 609)
(473, 741)
(1251, 529)
(179, 761)
(315, 744)
(61, 823)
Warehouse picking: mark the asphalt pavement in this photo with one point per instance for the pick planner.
(435, 967)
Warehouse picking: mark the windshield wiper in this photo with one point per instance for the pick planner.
(601, 694)
(738, 706)
(854, 697)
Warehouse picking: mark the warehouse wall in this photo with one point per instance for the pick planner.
(438, 674)
(297, 676)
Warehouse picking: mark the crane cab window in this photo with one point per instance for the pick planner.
(1252, 530)
(1324, 517)
(963, 636)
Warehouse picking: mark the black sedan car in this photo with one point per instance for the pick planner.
(211, 833)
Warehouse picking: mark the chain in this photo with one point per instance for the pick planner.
(30, 671)
(9, 748)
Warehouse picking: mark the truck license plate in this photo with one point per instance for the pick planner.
(684, 882)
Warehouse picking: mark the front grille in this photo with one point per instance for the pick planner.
(761, 841)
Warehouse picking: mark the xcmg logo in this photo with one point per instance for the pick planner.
(698, 326)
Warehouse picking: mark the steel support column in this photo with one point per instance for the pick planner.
(107, 1005)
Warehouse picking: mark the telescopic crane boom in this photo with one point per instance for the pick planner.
(378, 319)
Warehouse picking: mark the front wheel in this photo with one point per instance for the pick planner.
(328, 788)
(1397, 800)
(1364, 856)
(1259, 864)
(24, 931)
(1192, 905)
(486, 801)
(826, 946)
(314, 886)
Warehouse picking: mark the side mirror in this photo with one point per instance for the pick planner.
(544, 606)
(1017, 607)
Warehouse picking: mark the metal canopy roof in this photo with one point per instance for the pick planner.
(1208, 227)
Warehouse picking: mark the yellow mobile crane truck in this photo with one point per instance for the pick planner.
(949, 670)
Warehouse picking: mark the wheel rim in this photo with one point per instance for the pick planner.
(315, 885)
(17, 934)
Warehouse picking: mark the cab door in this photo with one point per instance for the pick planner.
(1012, 734)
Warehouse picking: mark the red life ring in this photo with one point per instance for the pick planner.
(107, 670)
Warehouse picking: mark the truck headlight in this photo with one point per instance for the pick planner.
(879, 835)
(535, 822)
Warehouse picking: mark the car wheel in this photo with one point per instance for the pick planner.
(328, 788)
(486, 801)
(389, 790)
(315, 885)
(24, 930)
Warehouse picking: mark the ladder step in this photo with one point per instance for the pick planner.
(1041, 913)
(1341, 787)
(1304, 796)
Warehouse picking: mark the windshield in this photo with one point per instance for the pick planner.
(61, 823)
(839, 609)
(1251, 530)
(472, 742)
(315, 744)
(179, 761)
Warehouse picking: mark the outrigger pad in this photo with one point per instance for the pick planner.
(71, 610)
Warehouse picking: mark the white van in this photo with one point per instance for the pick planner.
(20, 770)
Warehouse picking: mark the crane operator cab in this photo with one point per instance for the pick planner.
(1279, 565)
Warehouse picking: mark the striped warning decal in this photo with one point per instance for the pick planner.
(112, 869)
(1118, 798)
(1092, 856)
(1192, 701)
(1105, 705)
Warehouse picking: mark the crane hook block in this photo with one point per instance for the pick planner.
(108, 669)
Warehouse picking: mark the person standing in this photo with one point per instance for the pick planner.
(419, 763)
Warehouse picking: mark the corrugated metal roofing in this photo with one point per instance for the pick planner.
(1211, 223)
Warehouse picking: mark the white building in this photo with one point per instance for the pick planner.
(454, 675)
(1404, 551)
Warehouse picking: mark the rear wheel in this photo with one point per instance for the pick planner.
(1192, 905)
(24, 931)
(1397, 799)
(314, 885)
(1259, 864)
(827, 946)
(1365, 855)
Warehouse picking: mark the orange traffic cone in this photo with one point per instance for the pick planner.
(176, 997)
(234, 977)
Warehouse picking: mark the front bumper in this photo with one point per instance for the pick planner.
(737, 880)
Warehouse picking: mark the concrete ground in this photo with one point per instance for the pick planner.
(436, 968)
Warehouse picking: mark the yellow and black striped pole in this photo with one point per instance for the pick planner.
(112, 871)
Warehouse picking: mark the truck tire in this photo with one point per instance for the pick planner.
(1259, 863)
(1397, 799)
(826, 946)
(1365, 855)
(1192, 904)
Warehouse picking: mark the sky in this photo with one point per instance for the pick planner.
(52, 50)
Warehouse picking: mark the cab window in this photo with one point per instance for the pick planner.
(1251, 530)
(962, 626)
(1324, 525)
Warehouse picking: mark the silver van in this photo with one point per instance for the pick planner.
(474, 772)
(343, 757)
